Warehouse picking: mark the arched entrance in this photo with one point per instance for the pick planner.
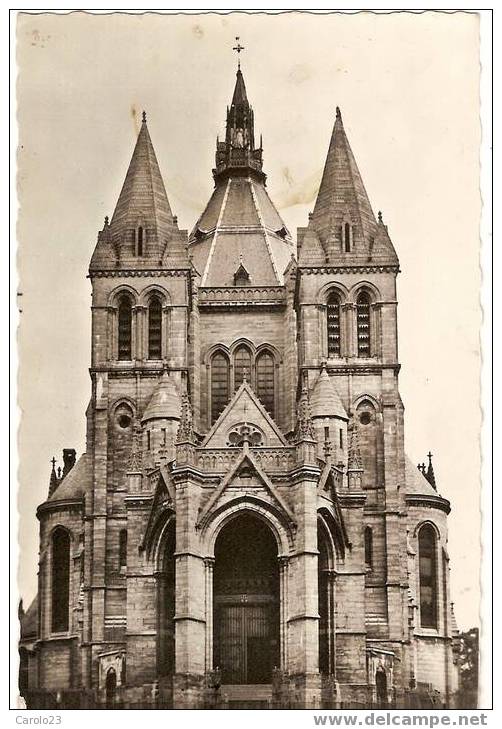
(381, 687)
(111, 688)
(166, 581)
(246, 602)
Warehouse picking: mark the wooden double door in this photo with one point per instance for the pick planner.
(246, 645)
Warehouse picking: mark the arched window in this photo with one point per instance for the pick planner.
(265, 381)
(139, 241)
(125, 328)
(242, 366)
(155, 328)
(363, 325)
(368, 546)
(123, 549)
(427, 576)
(346, 237)
(333, 319)
(220, 384)
(60, 580)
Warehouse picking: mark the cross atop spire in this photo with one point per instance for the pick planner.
(238, 48)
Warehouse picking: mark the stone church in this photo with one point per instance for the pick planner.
(244, 529)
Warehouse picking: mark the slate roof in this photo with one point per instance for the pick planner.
(240, 225)
(29, 621)
(76, 482)
(165, 401)
(416, 483)
(325, 400)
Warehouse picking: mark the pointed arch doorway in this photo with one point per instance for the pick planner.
(246, 602)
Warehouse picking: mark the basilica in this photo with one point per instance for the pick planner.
(244, 528)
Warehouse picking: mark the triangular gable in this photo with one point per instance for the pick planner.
(163, 501)
(244, 407)
(245, 458)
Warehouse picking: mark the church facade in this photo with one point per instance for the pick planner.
(244, 529)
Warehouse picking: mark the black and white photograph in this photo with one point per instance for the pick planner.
(249, 361)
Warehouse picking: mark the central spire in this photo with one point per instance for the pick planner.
(237, 155)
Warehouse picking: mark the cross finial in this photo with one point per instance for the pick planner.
(53, 461)
(380, 217)
(143, 117)
(429, 456)
(238, 48)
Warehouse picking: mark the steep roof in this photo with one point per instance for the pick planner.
(240, 225)
(29, 621)
(240, 96)
(142, 203)
(416, 483)
(76, 482)
(325, 400)
(165, 401)
(342, 198)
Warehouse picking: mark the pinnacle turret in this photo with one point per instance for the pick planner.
(238, 152)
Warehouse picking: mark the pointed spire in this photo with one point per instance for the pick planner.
(430, 472)
(53, 480)
(238, 150)
(240, 95)
(142, 206)
(343, 219)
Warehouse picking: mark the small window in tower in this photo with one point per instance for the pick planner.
(122, 549)
(347, 237)
(155, 328)
(124, 328)
(139, 247)
(363, 325)
(341, 438)
(368, 546)
(326, 432)
(265, 381)
(148, 440)
(333, 320)
(164, 436)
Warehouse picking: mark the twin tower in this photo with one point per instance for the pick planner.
(244, 529)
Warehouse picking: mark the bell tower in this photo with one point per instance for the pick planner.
(140, 278)
(347, 269)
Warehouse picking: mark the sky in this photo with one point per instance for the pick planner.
(408, 88)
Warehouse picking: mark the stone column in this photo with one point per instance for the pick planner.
(209, 565)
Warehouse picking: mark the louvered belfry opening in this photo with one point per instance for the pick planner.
(363, 325)
(265, 381)
(333, 319)
(246, 602)
(155, 329)
(125, 328)
(220, 384)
